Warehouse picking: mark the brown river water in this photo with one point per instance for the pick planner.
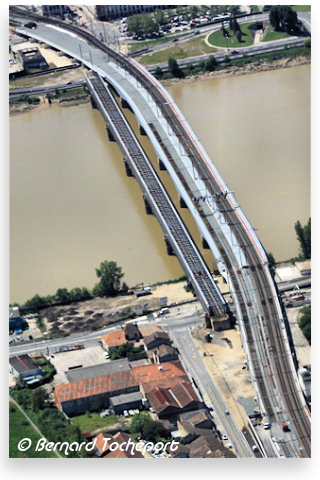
(72, 205)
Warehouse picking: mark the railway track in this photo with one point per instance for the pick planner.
(162, 205)
(280, 364)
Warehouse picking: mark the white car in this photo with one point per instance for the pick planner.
(106, 355)
(224, 436)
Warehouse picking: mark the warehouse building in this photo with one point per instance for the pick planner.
(98, 370)
(94, 393)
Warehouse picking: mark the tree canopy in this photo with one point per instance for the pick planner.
(304, 239)
(305, 322)
(283, 18)
(143, 25)
(110, 275)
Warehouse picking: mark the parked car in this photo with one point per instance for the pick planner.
(21, 339)
(30, 337)
(224, 437)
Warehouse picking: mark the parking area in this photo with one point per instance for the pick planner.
(33, 330)
(85, 357)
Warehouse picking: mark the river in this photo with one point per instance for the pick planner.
(72, 206)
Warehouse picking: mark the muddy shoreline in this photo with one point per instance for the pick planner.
(232, 71)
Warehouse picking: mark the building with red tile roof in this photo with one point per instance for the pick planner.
(113, 340)
(93, 393)
(122, 439)
(175, 399)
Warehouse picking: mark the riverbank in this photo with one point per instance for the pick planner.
(235, 70)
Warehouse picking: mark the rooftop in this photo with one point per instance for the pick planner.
(177, 396)
(125, 398)
(98, 370)
(148, 375)
(22, 363)
(147, 330)
(114, 339)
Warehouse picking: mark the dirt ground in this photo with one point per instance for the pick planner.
(225, 360)
(98, 312)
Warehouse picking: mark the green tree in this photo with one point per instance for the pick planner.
(62, 295)
(36, 302)
(158, 72)
(110, 279)
(283, 18)
(305, 322)
(271, 259)
(39, 398)
(304, 238)
(174, 68)
(154, 431)
(193, 9)
(139, 422)
(159, 17)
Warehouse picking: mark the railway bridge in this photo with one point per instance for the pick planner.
(240, 256)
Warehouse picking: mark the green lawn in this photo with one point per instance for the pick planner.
(189, 48)
(273, 35)
(20, 428)
(217, 39)
(135, 47)
(255, 8)
(88, 422)
(301, 8)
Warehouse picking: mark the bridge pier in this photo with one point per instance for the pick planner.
(128, 168)
(182, 202)
(142, 130)
(93, 103)
(205, 245)
(110, 134)
(124, 103)
(161, 165)
(170, 250)
(147, 206)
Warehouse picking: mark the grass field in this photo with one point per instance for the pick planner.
(135, 47)
(273, 35)
(301, 8)
(217, 39)
(20, 428)
(93, 421)
(190, 48)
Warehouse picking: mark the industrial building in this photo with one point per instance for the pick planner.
(94, 393)
(106, 368)
(168, 401)
(32, 58)
(127, 401)
(55, 10)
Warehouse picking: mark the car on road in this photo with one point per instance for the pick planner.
(175, 40)
(230, 445)
(235, 51)
(224, 437)
(266, 425)
(226, 411)
(254, 448)
(52, 356)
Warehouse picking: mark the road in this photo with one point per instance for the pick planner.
(182, 339)
(44, 90)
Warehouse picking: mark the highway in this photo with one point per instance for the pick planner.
(240, 256)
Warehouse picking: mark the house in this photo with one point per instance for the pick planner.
(113, 340)
(163, 353)
(146, 330)
(155, 339)
(23, 368)
(126, 401)
(168, 401)
(94, 393)
(104, 441)
(208, 447)
(198, 419)
(132, 332)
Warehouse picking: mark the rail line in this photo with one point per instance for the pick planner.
(280, 364)
(163, 208)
